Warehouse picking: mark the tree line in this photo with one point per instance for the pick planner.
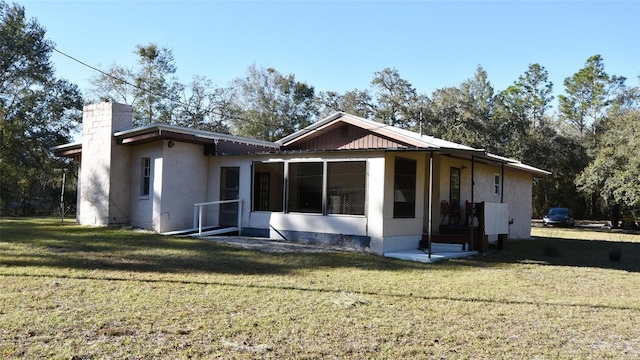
(589, 143)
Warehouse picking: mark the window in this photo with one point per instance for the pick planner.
(496, 184)
(145, 176)
(342, 190)
(346, 187)
(268, 180)
(404, 197)
(305, 187)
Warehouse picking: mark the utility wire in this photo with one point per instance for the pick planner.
(51, 47)
(187, 106)
(382, 125)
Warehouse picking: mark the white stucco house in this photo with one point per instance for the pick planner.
(343, 180)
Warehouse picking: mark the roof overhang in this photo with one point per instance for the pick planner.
(482, 156)
(479, 155)
(224, 143)
(71, 150)
(157, 132)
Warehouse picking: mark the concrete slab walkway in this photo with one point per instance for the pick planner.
(439, 252)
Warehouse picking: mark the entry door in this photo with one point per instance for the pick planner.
(454, 191)
(229, 184)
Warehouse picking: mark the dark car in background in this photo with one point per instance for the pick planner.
(558, 216)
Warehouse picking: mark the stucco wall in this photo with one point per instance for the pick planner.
(178, 180)
(183, 164)
(376, 178)
(484, 182)
(517, 187)
(402, 233)
(518, 193)
(142, 214)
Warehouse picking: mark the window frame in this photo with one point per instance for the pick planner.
(145, 177)
(405, 186)
(497, 184)
(322, 194)
(306, 190)
(274, 203)
(346, 194)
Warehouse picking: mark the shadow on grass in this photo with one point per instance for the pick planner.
(280, 287)
(46, 243)
(565, 252)
(43, 243)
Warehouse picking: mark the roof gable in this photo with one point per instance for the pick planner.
(341, 135)
(344, 131)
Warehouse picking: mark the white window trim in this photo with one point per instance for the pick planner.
(144, 196)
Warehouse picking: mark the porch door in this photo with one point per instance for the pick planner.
(229, 184)
(454, 193)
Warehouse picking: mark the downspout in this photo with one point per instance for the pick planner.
(430, 202)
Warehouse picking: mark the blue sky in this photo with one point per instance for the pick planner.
(340, 45)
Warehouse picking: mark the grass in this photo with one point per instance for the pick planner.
(73, 292)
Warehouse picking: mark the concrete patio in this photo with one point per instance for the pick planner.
(439, 252)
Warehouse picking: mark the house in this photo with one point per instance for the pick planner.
(343, 180)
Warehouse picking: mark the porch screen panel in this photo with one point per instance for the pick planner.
(268, 186)
(404, 195)
(305, 187)
(346, 187)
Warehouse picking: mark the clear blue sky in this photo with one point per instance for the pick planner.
(340, 45)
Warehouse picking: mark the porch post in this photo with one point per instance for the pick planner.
(430, 202)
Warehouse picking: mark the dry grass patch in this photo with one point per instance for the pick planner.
(71, 291)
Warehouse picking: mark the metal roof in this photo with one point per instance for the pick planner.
(416, 140)
(243, 145)
(166, 131)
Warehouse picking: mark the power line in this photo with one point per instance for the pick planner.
(51, 47)
(382, 125)
(94, 68)
(186, 106)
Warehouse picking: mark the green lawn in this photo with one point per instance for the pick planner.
(95, 293)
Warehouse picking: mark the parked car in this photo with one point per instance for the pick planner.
(558, 216)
